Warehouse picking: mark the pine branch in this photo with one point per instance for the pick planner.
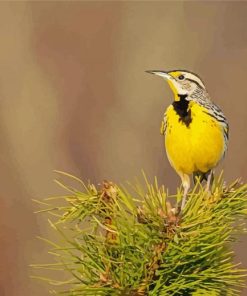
(130, 242)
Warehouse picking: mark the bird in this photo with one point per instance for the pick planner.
(195, 130)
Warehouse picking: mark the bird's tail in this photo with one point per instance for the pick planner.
(201, 176)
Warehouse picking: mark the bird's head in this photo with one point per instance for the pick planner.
(183, 83)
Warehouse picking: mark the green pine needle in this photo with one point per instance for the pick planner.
(116, 241)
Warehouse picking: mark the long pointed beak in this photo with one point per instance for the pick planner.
(163, 74)
(173, 83)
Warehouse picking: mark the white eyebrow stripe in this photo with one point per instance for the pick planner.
(195, 78)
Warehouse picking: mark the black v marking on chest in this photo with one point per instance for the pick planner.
(181, 108)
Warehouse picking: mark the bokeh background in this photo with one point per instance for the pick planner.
(74, 97)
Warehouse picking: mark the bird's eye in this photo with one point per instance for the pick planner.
(181, 77)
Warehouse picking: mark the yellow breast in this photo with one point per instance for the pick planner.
(198, 146)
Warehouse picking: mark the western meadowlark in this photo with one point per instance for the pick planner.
(195, 129)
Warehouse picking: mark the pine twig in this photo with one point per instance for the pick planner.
(119, 242)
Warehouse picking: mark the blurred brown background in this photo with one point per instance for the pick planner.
(74, 96)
